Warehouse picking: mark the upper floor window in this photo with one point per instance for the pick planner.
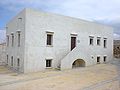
(7, 40)
(19, 38)
(12, 40)
(98, 40)
(91, 38)
(49, 38)
(19, 23)
(105, 42)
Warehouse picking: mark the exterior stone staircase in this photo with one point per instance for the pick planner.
(67, 61)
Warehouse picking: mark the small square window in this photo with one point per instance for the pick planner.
(49, 63)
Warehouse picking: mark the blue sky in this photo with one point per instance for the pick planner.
(102, 11)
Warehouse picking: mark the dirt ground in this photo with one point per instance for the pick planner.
(97, 77)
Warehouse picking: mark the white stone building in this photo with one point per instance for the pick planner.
(38, 40)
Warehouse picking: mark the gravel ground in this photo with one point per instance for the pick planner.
(97, 77)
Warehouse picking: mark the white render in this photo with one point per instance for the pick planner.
(33, 50)
(2, 53)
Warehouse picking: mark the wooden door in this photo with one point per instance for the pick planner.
(73, 43)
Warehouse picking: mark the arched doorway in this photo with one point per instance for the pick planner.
(78, 63)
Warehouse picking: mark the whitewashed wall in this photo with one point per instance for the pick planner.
(36, 51)
(14, 26)
(2, 53)
(33, 51)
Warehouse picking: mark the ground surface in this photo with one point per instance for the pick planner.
(97, 77)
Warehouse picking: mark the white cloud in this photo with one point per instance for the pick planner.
(114, 22)
(107, 12)
(86, 9)
(116, 36)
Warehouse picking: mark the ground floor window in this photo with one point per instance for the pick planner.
(104, 58)
(12, 61)
(7, 60)
(98, 60)
(49, 63)
(18, 62)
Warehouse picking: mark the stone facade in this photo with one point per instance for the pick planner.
(2, 53)
(49, 40)
(117, 48)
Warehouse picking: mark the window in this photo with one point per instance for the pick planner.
(12, 39)
(49, 39)
(7, 60)
(18, 38)
(91, 40)
(104, 58)
(18, 62)
(98, 60)
(73, 43)
(12, 61)
(49, 63)
(19, 23)
(98, 40)
(7, 40)
(105, 42)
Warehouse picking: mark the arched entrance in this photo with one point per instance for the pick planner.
(78, 63)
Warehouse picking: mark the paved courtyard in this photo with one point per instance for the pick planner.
(97, 77)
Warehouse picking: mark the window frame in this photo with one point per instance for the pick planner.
(19, 38)
(7, 59)
(12, 39)
(91, 40)
(98, 41)
(51, 39)
(12, 61)
(48, 63)
(8, 40)
(105, 42)
(18, 64)
(98, 59)
(104, 59)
